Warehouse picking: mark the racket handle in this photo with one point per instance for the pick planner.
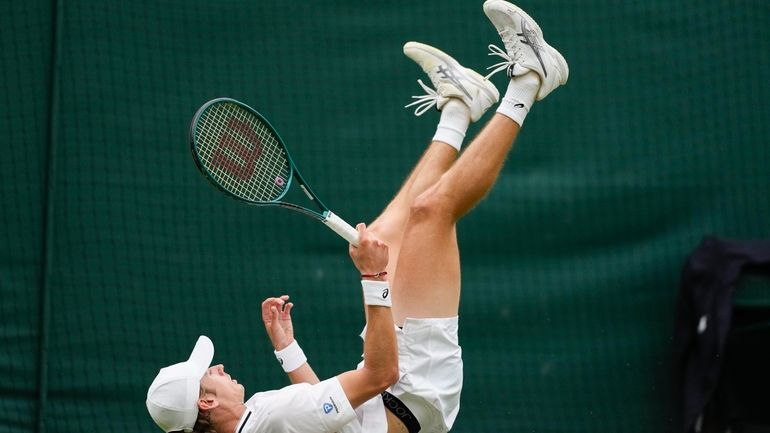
(342, 228)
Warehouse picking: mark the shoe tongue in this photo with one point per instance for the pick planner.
(447, 90)
(516, 70)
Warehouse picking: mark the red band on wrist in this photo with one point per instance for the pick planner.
(377, 275)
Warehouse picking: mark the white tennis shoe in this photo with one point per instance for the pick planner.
(451, 80)
(525, 49)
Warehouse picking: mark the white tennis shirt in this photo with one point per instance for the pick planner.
(305, 408)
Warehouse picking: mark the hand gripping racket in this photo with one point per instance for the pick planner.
(239, 152)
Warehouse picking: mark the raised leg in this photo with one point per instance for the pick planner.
(462, 96)
(389, 226)
(426, 283)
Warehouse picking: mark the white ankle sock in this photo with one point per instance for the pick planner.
(455, 118)
(519, 97)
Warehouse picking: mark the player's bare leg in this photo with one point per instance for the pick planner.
(462, 96)
(428, 280)
(389, 225)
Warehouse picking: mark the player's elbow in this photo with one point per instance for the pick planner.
(383, 377)
(388, 378)
(392, 376)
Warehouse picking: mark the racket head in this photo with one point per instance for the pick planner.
(240, 152)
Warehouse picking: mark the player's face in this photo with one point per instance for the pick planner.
(227, 389)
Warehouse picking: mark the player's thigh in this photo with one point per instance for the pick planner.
(427, 280)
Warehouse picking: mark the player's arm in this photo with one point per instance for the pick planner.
(380, 369)
(276, 315)
(304, 374)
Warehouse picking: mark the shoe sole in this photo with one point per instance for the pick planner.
(488, 4)
(561, 66)
(474, 76)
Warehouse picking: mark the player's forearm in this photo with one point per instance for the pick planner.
(380, 368)
(294, 362)
(380, 347)
(304, 374)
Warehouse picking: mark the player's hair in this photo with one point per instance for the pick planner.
(203, 424)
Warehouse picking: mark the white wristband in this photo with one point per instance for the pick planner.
(376, 293)
(291, 357)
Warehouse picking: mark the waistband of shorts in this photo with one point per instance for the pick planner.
(401, 411)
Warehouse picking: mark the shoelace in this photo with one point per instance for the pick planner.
(508, 59)
(424, 102)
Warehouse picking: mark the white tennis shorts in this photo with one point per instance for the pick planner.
(431, 371)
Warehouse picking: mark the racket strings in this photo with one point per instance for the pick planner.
(241, 153)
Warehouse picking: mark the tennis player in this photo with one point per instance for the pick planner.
(411, 376)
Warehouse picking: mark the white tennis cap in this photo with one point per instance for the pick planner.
(172, 399)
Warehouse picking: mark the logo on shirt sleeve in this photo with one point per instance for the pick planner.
(328, 407)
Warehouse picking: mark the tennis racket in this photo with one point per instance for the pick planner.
(240, 153)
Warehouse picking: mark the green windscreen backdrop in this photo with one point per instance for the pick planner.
(115, 254)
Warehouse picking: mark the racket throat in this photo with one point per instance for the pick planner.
(307, 193)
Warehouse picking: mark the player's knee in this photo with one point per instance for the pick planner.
(432, 204)
(388, 231)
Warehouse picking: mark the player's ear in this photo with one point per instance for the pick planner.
(207, 402)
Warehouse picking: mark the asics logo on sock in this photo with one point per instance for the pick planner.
(529, 37)
(450, 75)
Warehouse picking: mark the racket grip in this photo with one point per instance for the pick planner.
(342, 228)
